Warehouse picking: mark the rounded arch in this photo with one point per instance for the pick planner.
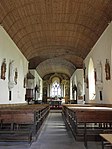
(55, 87)
(91, 78)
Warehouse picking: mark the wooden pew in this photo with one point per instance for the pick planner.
(23, 121)
(106, 140)
(88, 120)
(103, 119)
(11, 125)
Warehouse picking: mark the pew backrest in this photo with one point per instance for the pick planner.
(94, 116)
(19, 117)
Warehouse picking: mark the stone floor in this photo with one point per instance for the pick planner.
(54, 135)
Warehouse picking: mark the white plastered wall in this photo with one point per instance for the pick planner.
(10, 51)
(99, 53)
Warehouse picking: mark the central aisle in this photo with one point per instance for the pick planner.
(54, 135)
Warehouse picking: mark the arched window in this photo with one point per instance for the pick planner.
(91, 78)
(56, 88)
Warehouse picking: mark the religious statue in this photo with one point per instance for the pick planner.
(87, 82)
(84, 69)
(95, 75)
(11, 75)
(3, 69)
(16, 76)
(79, 89)
(107, 70)
(99, 72)
(25, 82)
(11, 78)
(99, 77)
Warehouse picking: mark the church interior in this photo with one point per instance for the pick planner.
(55, 74)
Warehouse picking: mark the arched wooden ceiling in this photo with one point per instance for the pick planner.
(45, 30)
(61, 66)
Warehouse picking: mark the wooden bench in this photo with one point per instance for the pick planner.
(87, 121)
(106, 140)
(22, 123)
(99, 120)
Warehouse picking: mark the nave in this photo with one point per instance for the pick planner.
(53, 135)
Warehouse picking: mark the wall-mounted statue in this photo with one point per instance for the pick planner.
(11, 75)
(107, 69)
(79, 89)
(25, 83)
(3, 69)
(16, 76)
(99, 72)
(11, 82)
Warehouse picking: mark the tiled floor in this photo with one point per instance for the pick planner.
(54, 135)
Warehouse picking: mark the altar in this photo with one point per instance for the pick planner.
(55, 102)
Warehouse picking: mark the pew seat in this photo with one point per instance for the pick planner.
(22, 123)
(87, 122)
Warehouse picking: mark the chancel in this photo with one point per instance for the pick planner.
(56, 75)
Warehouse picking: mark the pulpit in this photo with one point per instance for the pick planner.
(29, 95)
